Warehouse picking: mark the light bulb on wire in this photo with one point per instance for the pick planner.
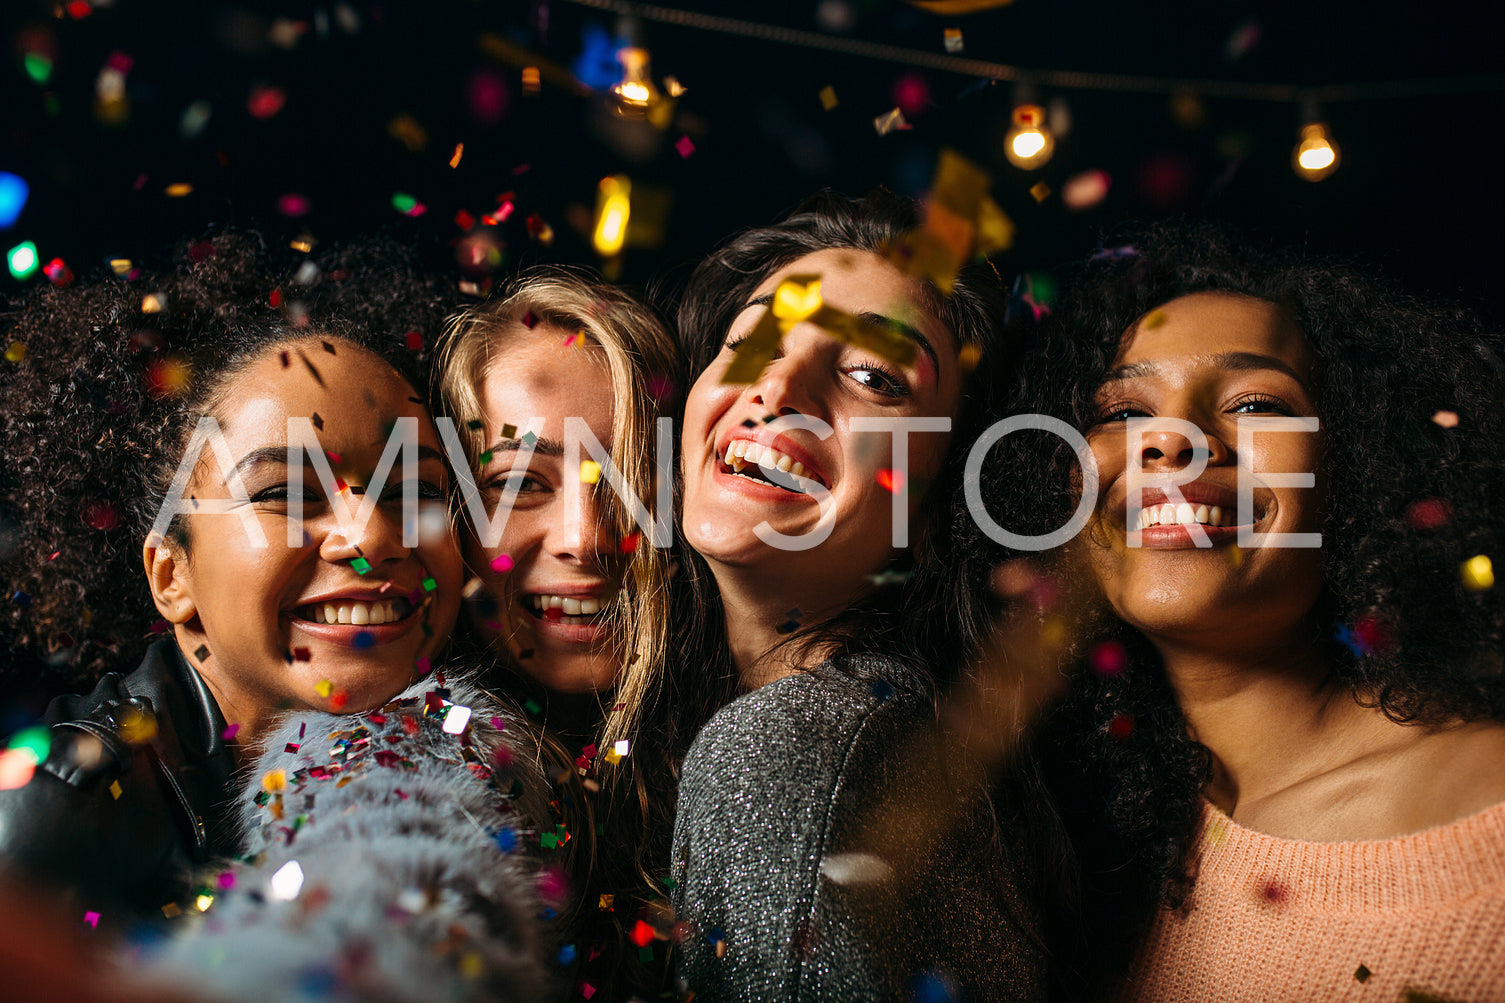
(635, 92)
(1316, 155)
(1029, 143)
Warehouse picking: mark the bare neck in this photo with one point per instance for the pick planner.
(756, 607)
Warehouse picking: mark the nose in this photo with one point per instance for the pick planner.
(1174, 443)
(377, 540)
(783, 388)
(580, 534)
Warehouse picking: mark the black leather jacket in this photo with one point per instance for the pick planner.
(122, 826)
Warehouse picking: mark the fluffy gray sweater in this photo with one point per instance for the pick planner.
(818, 854)
(384, 862)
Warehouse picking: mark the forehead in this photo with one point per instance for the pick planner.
(1204, 324)
(349, 389)
(534, 372)
(861, 282)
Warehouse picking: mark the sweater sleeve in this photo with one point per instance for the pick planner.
(804, 873)
(382, 862)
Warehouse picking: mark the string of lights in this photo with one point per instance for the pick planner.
(1029, 143)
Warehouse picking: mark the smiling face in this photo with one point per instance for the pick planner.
(1210, 359)
(301, 626)
(727, 443)
(563, 556)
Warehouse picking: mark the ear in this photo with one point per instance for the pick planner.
(167, 574)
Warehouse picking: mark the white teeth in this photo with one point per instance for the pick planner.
(739, 448)
(1184, 514)
(752, 452)
(356, 614)
(589, 606)
(1201, 514)
(556, 602)
(1216, 516)
(798, 469)
(1167, 515)
(785, 464)
(571, 607)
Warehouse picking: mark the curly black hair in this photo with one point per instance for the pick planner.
(95, 414)
(1417, 498)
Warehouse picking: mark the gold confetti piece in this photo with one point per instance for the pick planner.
(136, 727)
(203, 902)
(953, 38)
(16, 352)
(968, 358)
(1053, 632)
(890, 121)
(1040, 190)
(1478, 573)
(454, 158)
(995, 230)
(171, 910)
(324, 687)
(120, 266)
(302, 244)
(178, 190)
(1447, 419)
(151, 303)
(828, 98)
(590, 472)
(115, 791)
(673, 87)
(796, 299)
(1152, 320)
(273, 781)
(532, 81)
(1236, 556)
(605, 901)
(755, 351)
(406, 130)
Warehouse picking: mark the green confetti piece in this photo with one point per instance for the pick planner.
(361, 565)
(429, 585)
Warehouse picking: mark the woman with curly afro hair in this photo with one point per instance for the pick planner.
(1283, 761)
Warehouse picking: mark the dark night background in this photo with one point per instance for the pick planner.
(1416, 194)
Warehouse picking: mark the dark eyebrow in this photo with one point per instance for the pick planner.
(1242, 362)
(911, 333)
(541, 447)
(278, 454)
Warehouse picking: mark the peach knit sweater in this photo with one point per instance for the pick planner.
(1415, 918)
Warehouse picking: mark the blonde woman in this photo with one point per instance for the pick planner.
(561, 390)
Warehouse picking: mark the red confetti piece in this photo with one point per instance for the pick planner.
(642, 934)
(415, 341)
(228, 735)
(464, 220)
(302, 655)
(102, 515)
(1274, 892)
(58, 272)
(529, 320)
(1108, 658)
(891, 481)
(1429, 513)
(1121, 727)
(501, 563)
(78, 10)
(275, 299)
(92, 918)
(629, 543)
(265, 102)
(685, 147)
(339, 699)
(294, 205)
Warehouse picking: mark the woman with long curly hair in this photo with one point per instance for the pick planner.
(1284, 762)
(826, 846)
(269, 717)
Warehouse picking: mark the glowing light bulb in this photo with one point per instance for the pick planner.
(1316, 156)
(1029, 143)
(635, 92)
(613, 207)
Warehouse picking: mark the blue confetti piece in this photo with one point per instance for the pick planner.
(13, 193)
(506, 840)
(363, 639)
(567, 954)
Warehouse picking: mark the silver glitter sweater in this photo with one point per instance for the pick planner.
(811, 863)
